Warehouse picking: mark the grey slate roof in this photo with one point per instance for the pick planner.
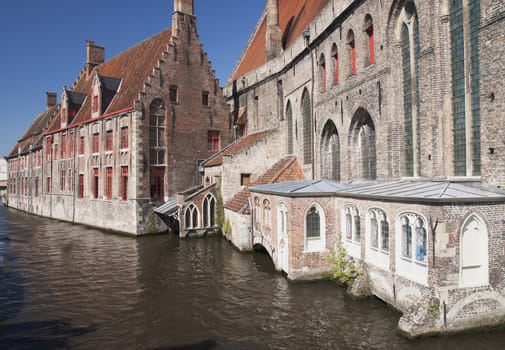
(416, 191)
(169, 207)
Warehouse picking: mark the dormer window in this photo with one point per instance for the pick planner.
(103, 91)
(95, 104)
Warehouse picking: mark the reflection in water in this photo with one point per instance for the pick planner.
(68, 286)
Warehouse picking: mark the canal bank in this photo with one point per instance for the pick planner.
(69, 286)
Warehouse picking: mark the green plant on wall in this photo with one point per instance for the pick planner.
(344, 271)
(220, 219)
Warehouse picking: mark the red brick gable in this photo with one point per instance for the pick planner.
(287, 169)
(132, 66)
(294, 17)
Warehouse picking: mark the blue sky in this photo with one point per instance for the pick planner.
(43, 44)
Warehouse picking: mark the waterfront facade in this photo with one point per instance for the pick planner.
(128, 134)
(394, 112)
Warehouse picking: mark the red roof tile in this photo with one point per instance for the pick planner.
(133, 67)
(235, 147)
(294, 17)
(286, 169)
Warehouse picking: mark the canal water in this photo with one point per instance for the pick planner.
(65, 286)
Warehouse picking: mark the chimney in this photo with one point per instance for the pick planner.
(273, 34)
(51, 99)
(95, 55)
(184, 6)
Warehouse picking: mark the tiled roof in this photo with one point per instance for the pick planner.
(287, 169)
(132, 68)
(34, 134)
(240, 144)
(294, 17)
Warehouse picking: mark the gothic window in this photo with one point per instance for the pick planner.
(322, 73)
(363, 158)
(370, 37)
(289, 121)
(81, 185)
(474, 253)
(378, 227)
(464, 30)
(307, 128)
(209, 211)
(257, 212)
(157, 187)
(313, 223)
(191, 217)
(411, 107)
(336, 64)
(267, 214)
(330, 152)
(414, 238)
(352, 52)
(352, 222)
(315, 239)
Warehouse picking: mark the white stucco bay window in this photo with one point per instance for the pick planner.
(412, 247)
(315, 229)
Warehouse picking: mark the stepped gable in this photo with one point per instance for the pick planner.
(294, 17)
(34, 134)
(217, 159)
(133, 67)
(287, 169)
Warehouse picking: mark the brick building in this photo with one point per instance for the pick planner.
(127, 135)
(394, 112)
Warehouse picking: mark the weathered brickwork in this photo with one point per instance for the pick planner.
(128, 134)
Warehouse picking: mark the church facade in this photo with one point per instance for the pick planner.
(394, 112)
(128, 134)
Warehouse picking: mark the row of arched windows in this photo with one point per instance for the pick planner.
(411, 241)
(208, 210)
(350, 53)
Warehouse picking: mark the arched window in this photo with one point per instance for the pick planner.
(330, 152)
(414, 238)
(352, 224)
(352, 51)
(377, 238)
(464, 28)
(267, 214)
(209, 211)
(336, 64)
(412, 247)
(363, 159)
(322, 73)
(411, 105)
(257, 212)
(307, 127)
(315, 239)
(191, 217)
(289, 120)
(370, 37)
(474, 253)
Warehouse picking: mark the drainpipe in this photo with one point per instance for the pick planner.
(252, 220)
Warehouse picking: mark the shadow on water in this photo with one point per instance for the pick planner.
(53, 334)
